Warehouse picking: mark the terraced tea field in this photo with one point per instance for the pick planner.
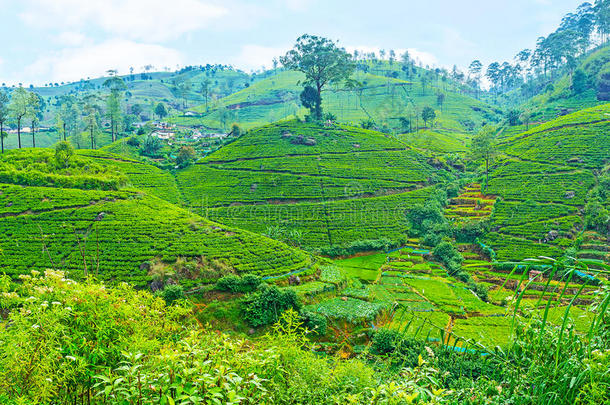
(346, 184)
(471, 204)
(545, 182)
(406, 291)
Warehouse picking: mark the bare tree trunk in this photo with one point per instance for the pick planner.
(1, 137)
(64, 131)
(19, 131)
(33, 136)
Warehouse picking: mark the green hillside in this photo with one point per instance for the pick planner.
(59, 219)
(545, 182)
(561, 97)
(333, 184)
(384, 94)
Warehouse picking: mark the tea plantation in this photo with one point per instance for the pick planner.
(47, 222)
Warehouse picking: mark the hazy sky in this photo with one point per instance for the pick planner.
(60, 40)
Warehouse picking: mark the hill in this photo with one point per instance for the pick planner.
(561, 96)
(114, 225)
(327, 184)
(549, 176)
(385, 94)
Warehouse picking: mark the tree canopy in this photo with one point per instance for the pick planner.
(322, 62)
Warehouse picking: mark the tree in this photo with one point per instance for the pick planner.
(235, 130)
(474, 70)
(311, 99)
(113, 102)
(19, 108)
(440, 99)
(525, 117)
(161, 111)
(186, 155)
(4, 114)
(66, 120)
(322, 62)
(91, 110)
(579, 81)
(484, 147)
(512, 117)
(205, 91)
(603, 86)
(63, 153)
(428, 114)
(183, 87)
(35, 114)
(151, 145)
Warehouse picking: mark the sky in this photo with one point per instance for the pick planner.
(44, 41)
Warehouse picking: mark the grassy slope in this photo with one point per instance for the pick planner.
(545, 181)
(380, 97)
(351, 184)
(46, 227)
(546, 106)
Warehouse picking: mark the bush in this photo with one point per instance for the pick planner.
(171, 293)
(133, 141)
(384, 341)
(265, 306)
(382, 244)
(447, 254)
(470, 231)
(316, 323)
(236, 284)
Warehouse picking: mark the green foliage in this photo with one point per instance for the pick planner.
(239, 284)
(322, 62)
(265, 306)
(447, 254)
(315, 323)
(160, 110)
(359, 246)
(151, 145)
(384, 341)
(186, 155)
(172, 293)
(63, 154)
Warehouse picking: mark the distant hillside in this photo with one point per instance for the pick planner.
(95, 215)
(332, 185)
(561, 97)
(385, 95)
(545, 183)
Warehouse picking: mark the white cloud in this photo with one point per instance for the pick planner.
(298, 5)
(150, 20)
(92, 61)
(71, 38)
(253, 57)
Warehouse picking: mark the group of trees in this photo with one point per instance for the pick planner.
(22, 106)
(80, 118)
(553, 55)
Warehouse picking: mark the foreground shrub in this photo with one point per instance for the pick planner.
(265, 306)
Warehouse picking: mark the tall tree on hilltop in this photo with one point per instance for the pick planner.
(474, 70)
(36, 105)
(19, 108)
(113, 102)
(4, 114)
(322, 62)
